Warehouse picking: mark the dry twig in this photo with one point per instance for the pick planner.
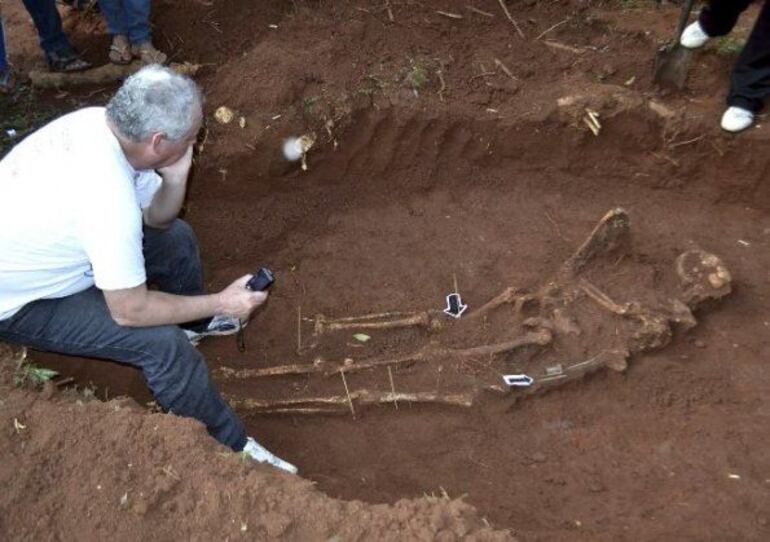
(448, 14)
(550, 28)
(509, 73)
(513, 21)
(480, 12)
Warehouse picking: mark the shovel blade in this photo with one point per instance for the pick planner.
(671, 66)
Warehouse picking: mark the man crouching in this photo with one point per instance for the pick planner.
(88, 216)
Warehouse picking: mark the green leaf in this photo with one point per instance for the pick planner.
(363, 337)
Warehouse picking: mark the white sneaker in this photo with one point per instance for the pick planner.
(694, 36)
(221, 324)
(258, 453)
(737, 119)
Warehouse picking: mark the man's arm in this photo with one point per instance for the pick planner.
(140, 307)
(169, 198)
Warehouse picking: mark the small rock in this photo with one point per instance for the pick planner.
(538, 457)
(699, 344)
(595, 487)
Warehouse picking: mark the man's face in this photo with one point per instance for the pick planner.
(162, 152)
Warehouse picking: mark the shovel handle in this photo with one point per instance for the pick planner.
(683, 17)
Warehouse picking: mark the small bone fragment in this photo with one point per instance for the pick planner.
(594, 129)
(654, 333)
(509, 295)
(682, 315)
(616, 360)
(563, 323)
(603, 299)
(702, 276)
(612, 230)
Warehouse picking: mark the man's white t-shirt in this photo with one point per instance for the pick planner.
(70, 213)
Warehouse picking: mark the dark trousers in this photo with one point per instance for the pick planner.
(174, 370)
(48, 23)
(750, 80)
(130, 18)
(3, 59)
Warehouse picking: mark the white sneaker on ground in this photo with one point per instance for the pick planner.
(737, 119)
(694, 36)
(258, 453)
(221, 324)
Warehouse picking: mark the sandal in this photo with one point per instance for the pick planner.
(66, 59)
(7, 80)
(148, 54)
(120, 50)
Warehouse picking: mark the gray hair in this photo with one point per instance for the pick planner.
(155, 99)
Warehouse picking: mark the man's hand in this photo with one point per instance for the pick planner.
(139, 307)
(169, 198)
(237, 300)
(178, 171)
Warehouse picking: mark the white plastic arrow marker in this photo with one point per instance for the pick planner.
(518, 380)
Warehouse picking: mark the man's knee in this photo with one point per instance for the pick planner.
(170, 356)
(181, 234)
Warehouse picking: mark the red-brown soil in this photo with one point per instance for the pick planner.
(490, 180)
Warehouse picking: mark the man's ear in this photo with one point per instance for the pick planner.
(156, 140)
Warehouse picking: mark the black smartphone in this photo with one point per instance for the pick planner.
(261, 281)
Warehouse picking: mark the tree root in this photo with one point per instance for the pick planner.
(108, 73)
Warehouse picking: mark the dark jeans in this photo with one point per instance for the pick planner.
(48, 23)
(750, 80)
(128, 18)
(174, 370)
(3, 59)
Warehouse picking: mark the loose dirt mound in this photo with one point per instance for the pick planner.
(95, 470)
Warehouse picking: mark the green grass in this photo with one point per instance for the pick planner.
(29, 374)
(729, 46)
(417, 77)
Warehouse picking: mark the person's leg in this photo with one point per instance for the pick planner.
(59, 53)
(3, 59)
(138, 23)
(115, 17)
(173, 264)
(174, 370)
(7, 76)
(48, 23)
(172, 259)
(750, 80)
(718, 17)
(137, 20)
